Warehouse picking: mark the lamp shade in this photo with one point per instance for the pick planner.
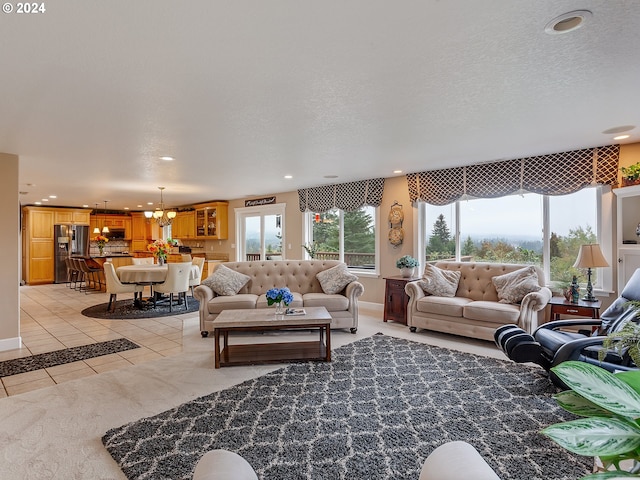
(590, 256)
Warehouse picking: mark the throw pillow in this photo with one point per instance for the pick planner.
(512, 287)
(334, 279)
(225, 281)
(439, 282)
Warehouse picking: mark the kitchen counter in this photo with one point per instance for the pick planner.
(109, 255)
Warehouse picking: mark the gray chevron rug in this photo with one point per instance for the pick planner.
(375, 412)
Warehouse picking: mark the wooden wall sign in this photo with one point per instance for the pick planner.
(260, 201)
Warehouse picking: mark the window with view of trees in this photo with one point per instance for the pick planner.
(346, 236)
(510, 230)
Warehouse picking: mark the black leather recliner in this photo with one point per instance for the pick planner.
(550, 345)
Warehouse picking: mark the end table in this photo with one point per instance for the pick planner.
(560, 306)
(395, 299)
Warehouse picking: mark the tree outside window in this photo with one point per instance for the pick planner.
(346, 236)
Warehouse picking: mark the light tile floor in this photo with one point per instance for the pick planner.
(50, 319)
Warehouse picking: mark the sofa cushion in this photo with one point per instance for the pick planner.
(451, 306)
(442, 283)
(512, 287)
(333, 303)
(225, 281)
(494, 312)
(295, 303)
(232, 302)
(334, 279)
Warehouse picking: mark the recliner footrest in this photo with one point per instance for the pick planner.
(517, 344)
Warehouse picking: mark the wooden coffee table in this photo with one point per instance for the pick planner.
(261, 319)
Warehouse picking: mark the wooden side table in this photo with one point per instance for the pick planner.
(560, 306)
(395, 299)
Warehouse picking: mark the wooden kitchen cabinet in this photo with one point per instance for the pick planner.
(37, 245)
(183, 226)
(70, 216)
(211, 220)
(140, 232)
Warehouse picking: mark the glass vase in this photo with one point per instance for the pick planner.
(279, 308)
(101, 250)
(160, 260)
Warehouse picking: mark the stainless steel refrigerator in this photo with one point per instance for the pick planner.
(69, 240)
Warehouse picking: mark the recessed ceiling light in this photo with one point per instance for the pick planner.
(126, 208)
(149, 203)
(38, 203)
(53, 196)
(621, 137)
(168, 159)
(139, 206)
(288, 176)
(331, 176)
(397, 171)
(85, 206)
(45, 199)
(567, 22)
(620, 129)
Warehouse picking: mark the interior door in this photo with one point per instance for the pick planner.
(260, 233)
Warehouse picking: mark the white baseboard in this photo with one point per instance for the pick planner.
(10, 343)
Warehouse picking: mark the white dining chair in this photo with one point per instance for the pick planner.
(142, 261)
(115, 286)
(177, 282)
(194, 282)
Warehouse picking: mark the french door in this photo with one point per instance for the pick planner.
(260, 232)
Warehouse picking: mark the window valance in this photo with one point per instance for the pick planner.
(345, 196)
(555, 174)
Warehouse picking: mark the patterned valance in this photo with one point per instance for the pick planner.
(345, 196)
(555, 174)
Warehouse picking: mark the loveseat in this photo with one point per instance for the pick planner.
(475, 308)
(313, 283)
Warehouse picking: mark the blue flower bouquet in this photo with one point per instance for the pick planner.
(279, 295)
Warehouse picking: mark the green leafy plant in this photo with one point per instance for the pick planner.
(632, 172)
(610, 405)
(406, 261)
(627, 339)
(311, 249)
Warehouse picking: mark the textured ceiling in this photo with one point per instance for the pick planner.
(242, 93)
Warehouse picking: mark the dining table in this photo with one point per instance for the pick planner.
(149, 274)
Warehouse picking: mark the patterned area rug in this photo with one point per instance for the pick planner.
(126, 310)
(67, 355)
(375, 412)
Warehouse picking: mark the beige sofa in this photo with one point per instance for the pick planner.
(297, 275)
(474, 311)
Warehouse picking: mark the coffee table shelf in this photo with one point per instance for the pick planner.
(258, 320)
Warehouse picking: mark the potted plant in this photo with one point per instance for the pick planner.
(407, 264)
(610, 405)
(630, 175)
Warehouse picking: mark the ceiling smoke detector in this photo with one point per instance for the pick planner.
(567, 22)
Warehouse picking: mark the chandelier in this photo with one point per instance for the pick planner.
(163, 217)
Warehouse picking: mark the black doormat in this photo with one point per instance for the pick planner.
(375, 412)
(126, 310)
(67, 355)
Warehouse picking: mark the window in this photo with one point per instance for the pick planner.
(350, 237)
(528, 229)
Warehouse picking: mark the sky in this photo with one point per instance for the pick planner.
(513, 214)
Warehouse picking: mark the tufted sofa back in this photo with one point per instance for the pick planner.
(475, 278)
(298, 275)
